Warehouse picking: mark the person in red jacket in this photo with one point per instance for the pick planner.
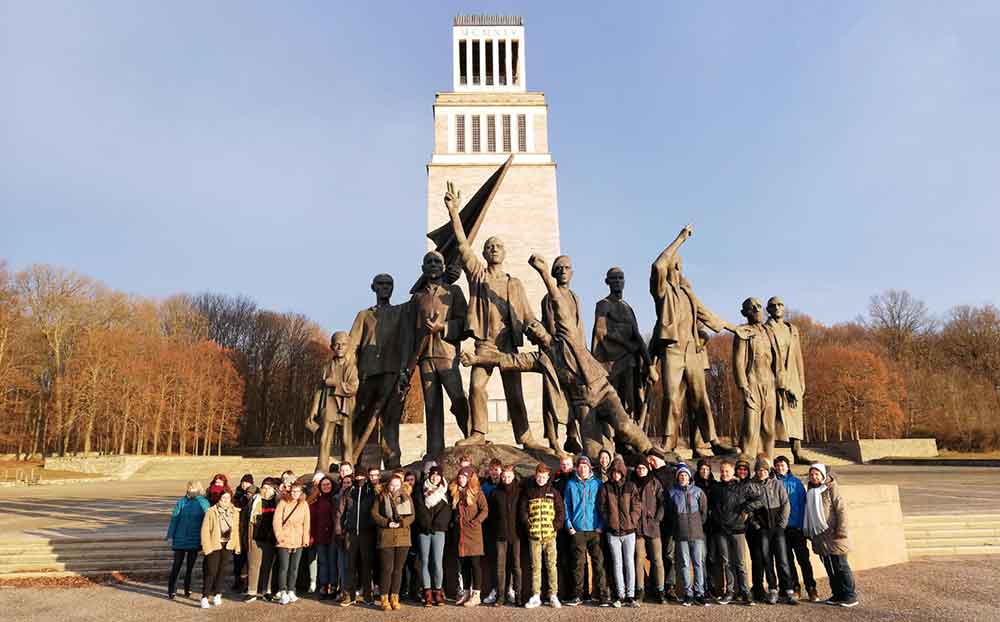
(323, 574)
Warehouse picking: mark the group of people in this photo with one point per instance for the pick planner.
(599, 531)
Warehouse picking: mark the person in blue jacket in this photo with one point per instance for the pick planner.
(795, 540)
(584, 524)
(184, 535)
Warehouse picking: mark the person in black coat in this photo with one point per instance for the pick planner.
(730, 504)
(503, 515)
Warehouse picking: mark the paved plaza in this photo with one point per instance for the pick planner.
(944, 589)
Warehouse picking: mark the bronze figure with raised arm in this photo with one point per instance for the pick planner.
(497, 312)
(676, 345)
(570, 371)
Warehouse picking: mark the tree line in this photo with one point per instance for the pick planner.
(84, 368)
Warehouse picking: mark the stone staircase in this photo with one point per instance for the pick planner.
(202, 468)
(954, 534)
(54, 558)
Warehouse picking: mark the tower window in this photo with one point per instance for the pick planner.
(475, 133)
(475, 61)
(489, 62)
(514, 58)
(491, 133)
(522, 132)
(460, 133)
(463, 72)
(506, 133)
(502, 61)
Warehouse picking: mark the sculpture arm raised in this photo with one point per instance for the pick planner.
(452, 200)
(662, 262)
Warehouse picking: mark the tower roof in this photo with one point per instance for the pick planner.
(489, 20)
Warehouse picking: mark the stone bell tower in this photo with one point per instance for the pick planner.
(488, 115)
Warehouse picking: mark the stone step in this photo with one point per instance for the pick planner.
(953, 550)
(936, 532)
(24, 547)
(93, 574)
(76, 556)
(918, 543)
(951, 519)
(15, 566)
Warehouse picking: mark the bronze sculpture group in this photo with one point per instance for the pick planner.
(600, 395)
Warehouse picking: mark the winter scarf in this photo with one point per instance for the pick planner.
(434, 495)
(815, 519)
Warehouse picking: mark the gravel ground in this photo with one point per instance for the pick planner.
(913, 591)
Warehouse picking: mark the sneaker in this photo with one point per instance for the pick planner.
(292, 597)
(849, 603)
(534, 602)
(688, 601)
(312, 587)
(204, 603)
(772, 597)
(700, 601)
(491, 598)
(631, 602)
(512, 596)
(813, 596)
(725, 599)
(607, 602)
(790, 598)
(284, 600)
(833, 600)
(268, 597)
(554, 602)
(171, 596)
(573, 602)
(251, 598)
(669, 594)
(747, 599)
(617, 604)
(463, 596)
(217, 600)
(661, 597)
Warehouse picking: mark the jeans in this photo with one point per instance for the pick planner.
(508, 558)
(797, 550)
(180, 557)
(691, 554)
(212, 572)
(549, 550)
(623, 560)
(841, 577)
(729, 552)
(267, 575)
(667, 549)
(584, 543)
(288, 568)
(323, 564)
(651, 549)
(392, 559)
(767, 550)
(432, 554)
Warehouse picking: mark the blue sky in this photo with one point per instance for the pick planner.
(824, 151)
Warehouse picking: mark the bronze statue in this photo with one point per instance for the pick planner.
(375, 337)
(678, 348)
(497, 312)
(562, 272)
(790, 376)
(334, 402)
(568, 367)
(618, 344)
(434, 329)
(753, 368)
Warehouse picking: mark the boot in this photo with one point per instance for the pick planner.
(813, 596)
(394, 601)
(384, 603)
(473, 600)
(475, 438)
(438, 598)
(346, 599)
(428, 598)
(721, 449)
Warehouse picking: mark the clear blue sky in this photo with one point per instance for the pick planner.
(824, 151)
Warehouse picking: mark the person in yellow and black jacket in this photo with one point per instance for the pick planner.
(541, 512)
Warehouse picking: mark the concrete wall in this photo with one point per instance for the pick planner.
(868, 450)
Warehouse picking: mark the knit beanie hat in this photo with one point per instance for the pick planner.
(683, 468)
(583, 460)
(762, 463)
(821, 468)
(434, 469)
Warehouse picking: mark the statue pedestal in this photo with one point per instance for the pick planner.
(524, 461)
